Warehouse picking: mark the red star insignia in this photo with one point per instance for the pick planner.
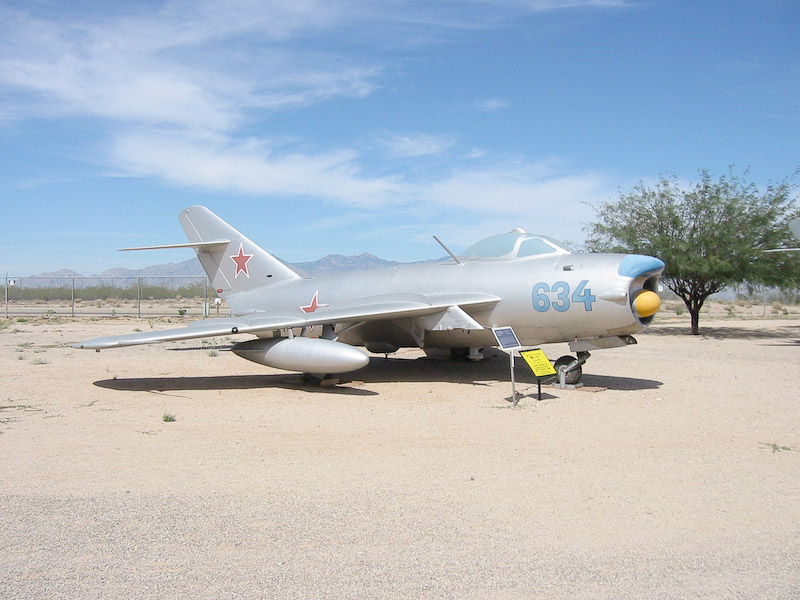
(314, 304)
(241, 261)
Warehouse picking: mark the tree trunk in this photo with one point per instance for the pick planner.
(693, 296)
(693, 305)
(695, 314)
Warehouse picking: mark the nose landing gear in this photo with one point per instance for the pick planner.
(570, 370)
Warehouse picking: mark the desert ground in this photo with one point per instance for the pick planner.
(182, 471)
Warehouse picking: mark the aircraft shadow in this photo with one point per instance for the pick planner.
(422, 370)
(379, 370)
(612, 382)
(290, 381)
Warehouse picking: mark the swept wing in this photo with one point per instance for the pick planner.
(367, 309)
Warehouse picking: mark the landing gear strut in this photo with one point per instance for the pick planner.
(473, 354)
(569, 369)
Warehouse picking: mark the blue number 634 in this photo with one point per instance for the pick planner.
(563, 299)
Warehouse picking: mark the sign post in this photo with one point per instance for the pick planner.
(508, 341)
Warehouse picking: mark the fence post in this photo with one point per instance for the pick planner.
(139, 295)
(205, 297)
(5, 287)
(73, 297)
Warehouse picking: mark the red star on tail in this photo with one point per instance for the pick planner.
(241, 261)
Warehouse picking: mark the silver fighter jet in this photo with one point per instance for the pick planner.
(529, 282)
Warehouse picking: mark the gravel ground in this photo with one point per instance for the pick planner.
(674, 474)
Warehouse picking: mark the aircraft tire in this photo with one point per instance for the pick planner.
(314, 378)
(459, 353)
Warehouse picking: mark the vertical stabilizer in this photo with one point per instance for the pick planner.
(235, 264)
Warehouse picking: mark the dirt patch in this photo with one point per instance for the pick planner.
(677, 477)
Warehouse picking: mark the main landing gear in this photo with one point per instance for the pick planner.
(472, 354)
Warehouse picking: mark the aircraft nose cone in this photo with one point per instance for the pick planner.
(634, 265)
(647, 303)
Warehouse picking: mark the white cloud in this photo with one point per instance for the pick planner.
(543, 196)
(493, 104)
(207, 64)
(417, 145)
(194, 66)
(250, 167)
(476, 153)
(174, 88)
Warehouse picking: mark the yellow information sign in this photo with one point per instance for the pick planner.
(538, 362)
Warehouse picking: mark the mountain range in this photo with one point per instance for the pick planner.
(332, 263)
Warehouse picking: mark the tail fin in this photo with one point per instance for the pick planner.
(232, 261)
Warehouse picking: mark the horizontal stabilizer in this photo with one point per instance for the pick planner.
(196, 245)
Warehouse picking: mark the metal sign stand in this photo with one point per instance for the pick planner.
(514, 396)
(508, 341)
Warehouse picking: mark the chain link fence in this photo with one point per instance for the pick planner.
(150, 296)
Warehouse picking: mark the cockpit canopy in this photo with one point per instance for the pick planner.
(515, 244)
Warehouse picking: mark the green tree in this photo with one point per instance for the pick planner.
(710, 234)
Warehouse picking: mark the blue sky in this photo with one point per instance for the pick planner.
(333, 126)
